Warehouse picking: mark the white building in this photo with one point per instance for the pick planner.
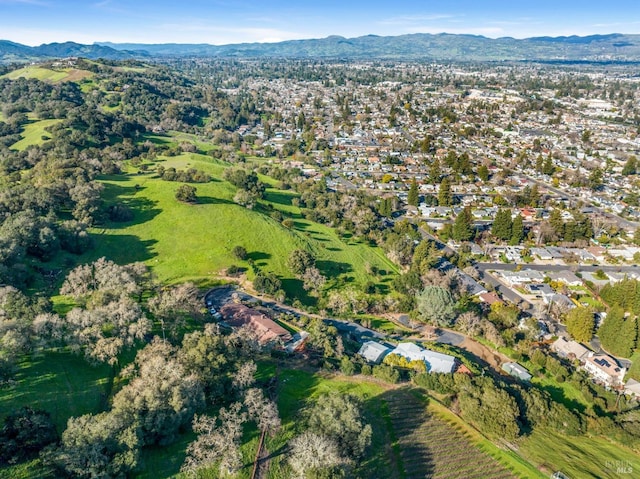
(436, 362)
(605, 369)
(373, 352)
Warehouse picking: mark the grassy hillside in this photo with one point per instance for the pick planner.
(49, 74)
(581, 458)
(63, 384)
(194, 242)
(33, 133)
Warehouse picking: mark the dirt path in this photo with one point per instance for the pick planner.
(493, 358)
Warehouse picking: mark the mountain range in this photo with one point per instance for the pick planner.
(614, 47)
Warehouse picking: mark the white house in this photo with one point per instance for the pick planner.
(436, 362)
(373, 352)
(514, 278)
(605, 369)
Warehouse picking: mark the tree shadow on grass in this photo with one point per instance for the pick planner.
(122, 249)
(293, 288)
(300, 226)
(320, 239)
(333, 269)
(210, 200)
(143, 210)
(258, 255)
(279, 197)
(558, 395)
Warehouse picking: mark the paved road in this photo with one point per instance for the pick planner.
(505, 291)
(449, 337)
(217, 297)
(344, 182)
(556, 267)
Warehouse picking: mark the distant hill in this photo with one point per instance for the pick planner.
(615, 47)
(419, 46)
(15, 52)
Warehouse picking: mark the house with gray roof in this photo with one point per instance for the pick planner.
(436, 362)
(570, 349)
(373, 352)
(567, 277)
(517, 371)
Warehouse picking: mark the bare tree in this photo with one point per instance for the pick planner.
(245, 375)
(313, 280)
(261, 410)
(218, 441)
(311, 452)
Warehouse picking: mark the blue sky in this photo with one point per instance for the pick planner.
(33, 22)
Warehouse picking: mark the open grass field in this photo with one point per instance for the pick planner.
(581, 458)
(194, 241)
(33, 133)
(48, 74)
(63, 384)
(517, 465)
(296, 387)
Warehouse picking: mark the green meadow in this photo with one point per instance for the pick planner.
(33, 133)
(194, 242)
(48, 74)
(583, 457)
(62, 384)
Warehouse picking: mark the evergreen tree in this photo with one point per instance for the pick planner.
(434, 171)
(502, 224)
(413, 198)
(444, 193)
(384, 208)
(463, 226)
(534, 196)
(517, 231)
(631, 166)
(609, 332)
(483, 173)
(548, 168)
(580, 324)
(556, 222)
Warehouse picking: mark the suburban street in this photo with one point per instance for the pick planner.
(623, 223)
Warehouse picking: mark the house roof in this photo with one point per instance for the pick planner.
(607, 364)
(238, 315)
(436, 362)
(373, 352)
(569, 348)
(567, 277)
(490, 298)
(515, 369)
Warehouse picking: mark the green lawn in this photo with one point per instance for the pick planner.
(48, 74)
(33, 133)
(579, 457)
(298, 387)
(62, 384)
(194, 241)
